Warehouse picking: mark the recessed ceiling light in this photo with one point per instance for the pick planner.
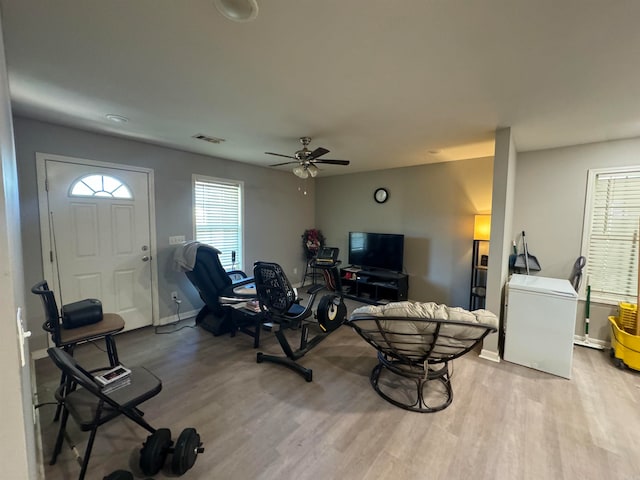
(238, 10)
(116, 118)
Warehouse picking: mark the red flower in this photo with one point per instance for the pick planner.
(312, 240)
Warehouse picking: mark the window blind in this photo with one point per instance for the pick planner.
(612, 255)
(218, 218)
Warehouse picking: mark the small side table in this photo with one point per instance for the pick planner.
(247, 321)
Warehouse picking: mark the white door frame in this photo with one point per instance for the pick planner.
(47, 266)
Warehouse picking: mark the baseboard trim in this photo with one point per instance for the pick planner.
(39, 354)
(600, 343)
(174, 318)
(490, 355)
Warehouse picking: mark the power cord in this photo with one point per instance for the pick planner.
(158, 327)
(173, 324)
(92, 342)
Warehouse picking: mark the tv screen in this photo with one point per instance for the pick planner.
(376, 250)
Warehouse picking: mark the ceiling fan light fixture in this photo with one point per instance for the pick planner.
(301, 172)
(238, 10)
(306, 160)
(313, 170)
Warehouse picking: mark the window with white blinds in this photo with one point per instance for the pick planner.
(218, 217)
(612, 224)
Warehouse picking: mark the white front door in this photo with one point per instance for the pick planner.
(99, 237)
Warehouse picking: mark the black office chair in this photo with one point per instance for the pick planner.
(67, 339)
(219, 290)
(91, 405)
(279, 302)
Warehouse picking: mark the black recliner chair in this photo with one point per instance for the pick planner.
(219, 290)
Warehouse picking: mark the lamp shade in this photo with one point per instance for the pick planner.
(482, 227)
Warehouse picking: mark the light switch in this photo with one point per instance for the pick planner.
(176, 240)
(22, 334)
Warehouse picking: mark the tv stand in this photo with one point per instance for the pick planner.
(375, 286)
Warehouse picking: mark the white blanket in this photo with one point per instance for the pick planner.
(452, 337)
(426, 310)
(184, 257)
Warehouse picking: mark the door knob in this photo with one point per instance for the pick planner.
(145, 258)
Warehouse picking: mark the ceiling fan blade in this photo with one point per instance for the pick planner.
(334, 162)
(318, 152)
(280, 155)
(283, 163)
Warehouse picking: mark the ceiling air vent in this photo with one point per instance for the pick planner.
(206, 138)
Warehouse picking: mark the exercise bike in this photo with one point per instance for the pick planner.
(280, 306)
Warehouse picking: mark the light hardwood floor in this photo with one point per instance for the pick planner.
(262, 421)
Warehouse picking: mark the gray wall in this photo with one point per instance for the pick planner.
(276, 212)
(549, 206)
(432, 205)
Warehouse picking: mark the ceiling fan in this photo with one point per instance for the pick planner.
(307, 159)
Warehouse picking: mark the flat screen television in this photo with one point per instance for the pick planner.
(376, 250)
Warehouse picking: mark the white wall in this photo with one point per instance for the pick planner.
(549, 206)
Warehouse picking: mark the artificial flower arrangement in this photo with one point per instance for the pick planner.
(312, 240)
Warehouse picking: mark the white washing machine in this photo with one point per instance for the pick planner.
(540, 323)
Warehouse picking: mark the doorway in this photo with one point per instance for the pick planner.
(97, 234)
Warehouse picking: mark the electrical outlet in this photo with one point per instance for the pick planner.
(174, 296)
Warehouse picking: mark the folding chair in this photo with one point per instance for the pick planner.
(85, 400)
(67, 339)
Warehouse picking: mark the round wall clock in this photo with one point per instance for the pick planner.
(381, 195)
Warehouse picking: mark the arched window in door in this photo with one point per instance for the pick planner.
(100, 186)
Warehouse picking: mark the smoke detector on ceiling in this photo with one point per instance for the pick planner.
(238, 10)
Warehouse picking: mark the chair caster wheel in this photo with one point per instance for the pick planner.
(154, 451)
(308, 376)
(119, 475)
(186, 450)
(259, 357)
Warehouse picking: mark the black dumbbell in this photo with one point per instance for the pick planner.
(159, 444)
(119, 475)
